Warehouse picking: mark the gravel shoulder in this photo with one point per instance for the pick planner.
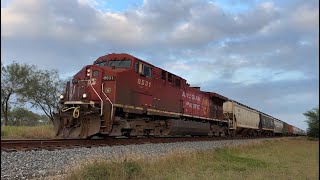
(53, 164)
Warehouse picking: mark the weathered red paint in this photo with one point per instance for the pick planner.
(114, 93)
(155, 92)
(290, 129)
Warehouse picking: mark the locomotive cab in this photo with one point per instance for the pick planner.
(96, 82)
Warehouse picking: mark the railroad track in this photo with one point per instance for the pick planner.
(56, 144)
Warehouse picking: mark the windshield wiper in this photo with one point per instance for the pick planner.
(120, 63)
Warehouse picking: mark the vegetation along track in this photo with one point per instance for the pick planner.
(56, 144)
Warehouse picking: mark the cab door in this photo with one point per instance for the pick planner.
(144, 95)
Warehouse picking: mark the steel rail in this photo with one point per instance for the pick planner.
(56, 144)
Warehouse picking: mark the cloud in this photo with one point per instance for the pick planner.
(239, 49)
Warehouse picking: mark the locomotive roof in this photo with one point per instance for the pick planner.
(119, 56)
(213, 94)
(128, 56)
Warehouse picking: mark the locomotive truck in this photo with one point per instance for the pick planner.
(122, 95)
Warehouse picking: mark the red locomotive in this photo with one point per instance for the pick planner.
(121, 95)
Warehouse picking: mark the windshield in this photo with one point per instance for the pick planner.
(101, 63)
(120, 63)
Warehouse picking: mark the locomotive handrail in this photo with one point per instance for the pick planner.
(89, 81)
(75, 113)
(80, 102)
(98, 97)
(73, 89)
(111, 114)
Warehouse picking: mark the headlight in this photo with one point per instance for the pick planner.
(61, 96)
(88, 72)
(84, 95)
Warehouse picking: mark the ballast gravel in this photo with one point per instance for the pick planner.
(40, 164)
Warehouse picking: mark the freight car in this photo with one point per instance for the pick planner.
(266, 124)
(247, 121)
(298, 132)
(278, 127)
(244, 120)
(121, 95)
(285, 130)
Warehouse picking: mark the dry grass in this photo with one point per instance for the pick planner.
(27, 132)
(286, 158)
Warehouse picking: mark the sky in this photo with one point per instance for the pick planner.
(264, 54)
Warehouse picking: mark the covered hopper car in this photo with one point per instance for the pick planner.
(122, 95)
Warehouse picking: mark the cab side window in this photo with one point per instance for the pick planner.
(177, 83)
(142, 69)
(147, 71)
(164, 75)
(136, 67)
(170, 77)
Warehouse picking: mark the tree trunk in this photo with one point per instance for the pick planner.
(5, 107)
(5, 113)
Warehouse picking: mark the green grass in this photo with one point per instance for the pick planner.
(284, 158)
(101, 170)
(26, 132)
(313, 138)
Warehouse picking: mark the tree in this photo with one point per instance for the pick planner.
(42, 90)
(23, 117)
(13, 79)
(313, 122)
(26, 83)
